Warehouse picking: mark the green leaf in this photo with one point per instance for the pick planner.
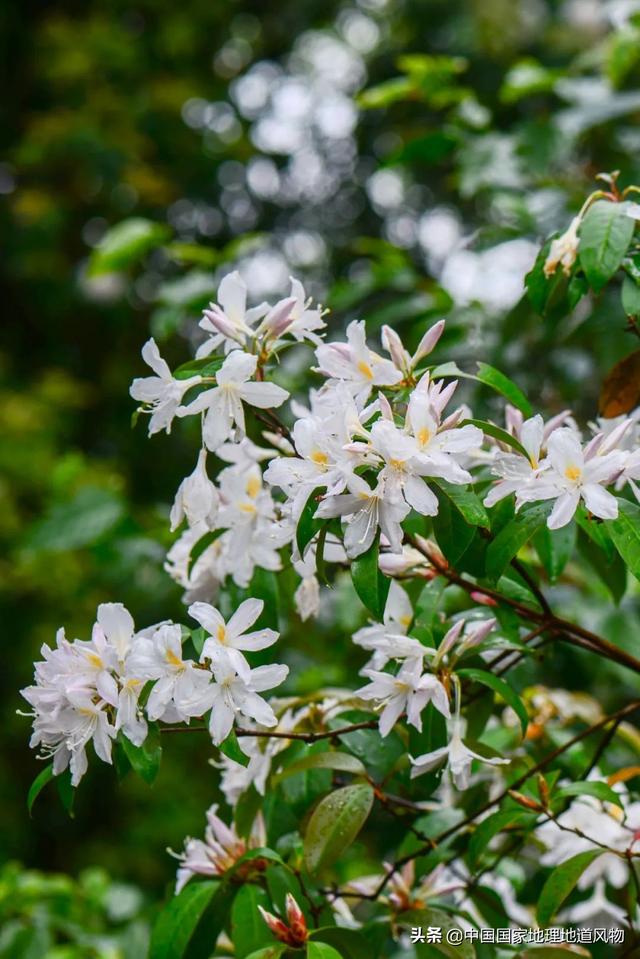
(600, 790)
(502, 688)
(370, 584)
(438, 919)
(561, 882)
(207, 366)
(308, 526)
(630, 297)
(335, 823)
(490, 377)
(321, 950)
(191, 921)
(231, 748)
(596, 546)
(502, 384)
(331, 759)
(274, 951)
(491, 826)
(249, 931)
(44, 776)
(605, 234)
(66, 791)
(555, 548)
(466, 502)
(81, 521)
(625, 533)
(379, 755)
(350, 943)
(490, 429)
(513, 537)
(145, 759)
(126, 243)
(452, 532)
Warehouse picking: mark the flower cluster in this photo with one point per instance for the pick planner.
(90, 690)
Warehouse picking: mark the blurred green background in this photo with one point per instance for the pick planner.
(289, 137)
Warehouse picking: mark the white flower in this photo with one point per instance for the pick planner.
(563, 250)
(388, 640)
(180, 688)
(222, 405)
(197, 497)
(575, 474)
(235, 693)
(596, 911)
(221, 849)
(400, 356)
(355, 364)
(305, 320)
(368, 510)
(161, 393)
(232, 637)
(410, 691)
(229, 321)
(458, 757)
(516, 471)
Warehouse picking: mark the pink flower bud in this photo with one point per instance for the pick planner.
(222, 323)
(428, 342)
(296, 920)
(279, 318)
(277, 926)
(393, 345)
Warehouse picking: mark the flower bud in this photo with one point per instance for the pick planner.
(393, 345)
(428, 342)
(277, 926)
(279, 318)
(223, 325)
(296, 920)
(563, 250)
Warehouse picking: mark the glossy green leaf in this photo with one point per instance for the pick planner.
(331, 759)
(491, 377)
(44, 776)
(625, 533)
(231, 748)
(438, 919)
(561, 882)
(513, 537)
(502, 688)
(605, 235)
(555, 548)
(322, 950)
(308, 526)
(273, 951)
(249, 931)
(145, 759)
(335, 823)
(466, 502)
(630, 297)
(370, 584)
(191, 920)
(490, 429)
(207, 366)
(350, 943)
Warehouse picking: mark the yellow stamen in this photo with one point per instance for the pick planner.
(397, 464)
(221, 634)
(319, 457)
(248, 508)
(424, 435)
(95, 660)
(173, 659)
(253, 486)
(365, 369)
(573, 473)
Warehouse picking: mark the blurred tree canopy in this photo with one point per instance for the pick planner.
(404, 158)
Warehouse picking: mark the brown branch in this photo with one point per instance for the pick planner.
(275, 734)
(520, 781)
(565, 630)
